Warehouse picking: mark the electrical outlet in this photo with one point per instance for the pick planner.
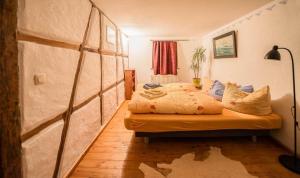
(39, 79)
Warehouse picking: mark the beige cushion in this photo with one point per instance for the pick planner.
(256, 103)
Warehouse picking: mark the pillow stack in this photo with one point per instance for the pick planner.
(256, 103)
(217, 89)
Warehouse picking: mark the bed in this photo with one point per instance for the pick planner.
(224, 123)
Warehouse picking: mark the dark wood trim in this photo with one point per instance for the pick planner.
(117, 71)
(93, 50)
(123, 64)
(102, 13)
(22, 36)
(120, 81)
(108, 52)
(205, 133)
(42, 126)
(101, 69)
(101, 109)
(10, 122)
(108, 88)
(71, 103)
(101, 63)
(46, 124)
(77, 107)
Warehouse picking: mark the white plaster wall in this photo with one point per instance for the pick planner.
(93, 39)
(56, 68)
(140, 52)
(105, 44)
(126, 62)
(89, 81)
(121, 93)
(109, 70)
(109, 104)
(84, 126)
(120, 73)
(125, 44)
(39, 152)
(61, 20)
(255, 37)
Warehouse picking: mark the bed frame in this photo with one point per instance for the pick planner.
(205, 133)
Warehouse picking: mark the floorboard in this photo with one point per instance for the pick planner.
(117, 153)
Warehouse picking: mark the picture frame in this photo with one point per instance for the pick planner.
(225, 46)
(110, 35)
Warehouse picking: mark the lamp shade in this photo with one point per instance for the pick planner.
(273, 54)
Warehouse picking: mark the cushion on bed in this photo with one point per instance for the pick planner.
(247, 88)
(217, 90)
(256, 103)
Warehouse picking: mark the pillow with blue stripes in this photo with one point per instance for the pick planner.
(217, 90)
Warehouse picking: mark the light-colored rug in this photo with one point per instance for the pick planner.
(215, 166)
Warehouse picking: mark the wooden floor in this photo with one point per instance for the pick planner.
(117, 153)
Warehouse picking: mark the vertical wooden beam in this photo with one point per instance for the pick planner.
(101, 66)
(116, 58)
(10, 144)
(122, 50)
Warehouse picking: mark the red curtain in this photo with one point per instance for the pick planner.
(164, 57)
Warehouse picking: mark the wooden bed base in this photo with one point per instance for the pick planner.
(206, 133)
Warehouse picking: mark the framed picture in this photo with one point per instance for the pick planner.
(110, 35)
(225, 45)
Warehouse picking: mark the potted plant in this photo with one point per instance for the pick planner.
(196, 65)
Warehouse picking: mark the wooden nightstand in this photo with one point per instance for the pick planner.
(129, 83)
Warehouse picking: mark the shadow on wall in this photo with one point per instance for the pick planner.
(284, 105)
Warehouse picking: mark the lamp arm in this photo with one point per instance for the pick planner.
(294, 106)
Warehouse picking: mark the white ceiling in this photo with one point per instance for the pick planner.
(175, 18)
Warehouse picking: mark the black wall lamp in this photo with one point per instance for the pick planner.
(291, 162)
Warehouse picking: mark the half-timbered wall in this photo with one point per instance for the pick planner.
(72, 59)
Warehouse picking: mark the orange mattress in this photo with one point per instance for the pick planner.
(175, 122)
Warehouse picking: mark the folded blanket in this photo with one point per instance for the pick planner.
(151, 86)
(151, 96)
(174, 99)
(153, 91)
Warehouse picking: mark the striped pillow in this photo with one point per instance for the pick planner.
(247, 88)
(217, 90)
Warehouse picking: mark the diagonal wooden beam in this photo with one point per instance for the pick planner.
(71, 103)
